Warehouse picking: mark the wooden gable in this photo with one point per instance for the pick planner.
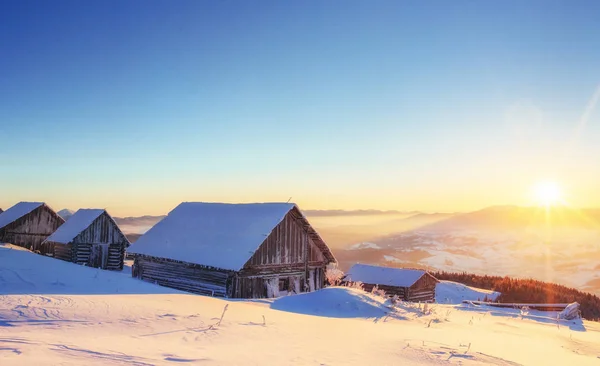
(287, 243)
(102, 230)
(32, 229)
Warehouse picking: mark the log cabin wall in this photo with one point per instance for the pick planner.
(423, 290)
(286, 245)
(182, 276)
(100, 245)
(32, 229)
(389, 290)
(292, 258)
(60, 251)
(289, 260)
(102, 230)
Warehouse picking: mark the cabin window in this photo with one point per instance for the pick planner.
(284, 284)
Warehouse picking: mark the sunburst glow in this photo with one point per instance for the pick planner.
(547, 193)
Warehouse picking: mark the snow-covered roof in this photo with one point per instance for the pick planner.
(17, 211)
(398, 277)
(77, 223)
(219, 235)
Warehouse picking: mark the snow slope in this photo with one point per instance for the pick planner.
(22, 272)
(63, 319)
(448, 292)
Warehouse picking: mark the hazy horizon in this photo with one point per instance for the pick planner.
(125, 213)
(133, 212)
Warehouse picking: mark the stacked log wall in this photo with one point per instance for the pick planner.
(182, 276)
(423, 290)
(102, 232)
(291, 252)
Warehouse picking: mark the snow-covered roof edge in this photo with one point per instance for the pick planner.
(83, 218)
(381, 275)
(292, 206)
(21, 209)
(68, 231)
(319, 242)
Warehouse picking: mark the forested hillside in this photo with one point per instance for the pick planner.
(528, 291)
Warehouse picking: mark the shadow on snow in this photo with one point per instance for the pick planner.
(334, 302)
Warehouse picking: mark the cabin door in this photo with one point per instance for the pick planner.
(98, 256)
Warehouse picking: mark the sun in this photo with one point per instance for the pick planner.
(547, 193)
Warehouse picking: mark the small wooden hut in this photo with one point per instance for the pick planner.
(90, 237)
(408, 284)
(28, 224)
(233, 250)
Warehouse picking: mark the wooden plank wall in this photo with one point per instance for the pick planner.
(286, 245)
(248, 287)
(289, 252)
(80, 254)
(61, 251)
(103, 231)
(32, 229)
(423, 290)
(389, 290)
(182, 276)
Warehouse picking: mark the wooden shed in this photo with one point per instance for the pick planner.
(409, 284)
(234, 250)
(28, 224)
(90, 237)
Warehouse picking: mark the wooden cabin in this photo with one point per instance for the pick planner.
(413, 285)
(233, 250)
(90, 237)
(28, 224)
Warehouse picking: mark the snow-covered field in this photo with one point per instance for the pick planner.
(53, 312)
(448, 292)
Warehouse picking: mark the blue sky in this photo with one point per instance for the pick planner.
(137, 105)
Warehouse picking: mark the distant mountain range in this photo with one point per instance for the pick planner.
(319, 213)
(65, 213)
